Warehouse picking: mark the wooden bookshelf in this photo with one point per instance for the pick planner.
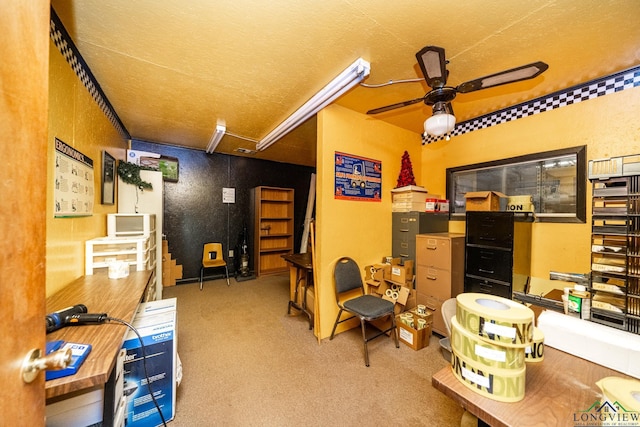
(273, 228)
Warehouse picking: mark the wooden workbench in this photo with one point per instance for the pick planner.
(119, 298)
(558, 389)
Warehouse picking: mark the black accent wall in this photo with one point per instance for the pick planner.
(193, 210)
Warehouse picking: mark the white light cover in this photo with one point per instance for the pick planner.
(439, 124)
(215, 138)
(350, 77)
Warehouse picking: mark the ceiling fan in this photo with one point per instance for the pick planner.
(433, 65)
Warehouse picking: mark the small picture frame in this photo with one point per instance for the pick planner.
(108, 179)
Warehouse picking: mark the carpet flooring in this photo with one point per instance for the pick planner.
(245, 362)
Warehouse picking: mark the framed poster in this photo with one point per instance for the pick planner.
(108, 179)
(169, 166)
(357, 178)
(73, 192)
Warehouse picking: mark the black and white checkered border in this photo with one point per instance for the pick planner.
(68, 49)
(590, 90)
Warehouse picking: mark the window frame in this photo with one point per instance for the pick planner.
(580, 153)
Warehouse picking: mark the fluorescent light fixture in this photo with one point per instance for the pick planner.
(215, 138)
(350, 77)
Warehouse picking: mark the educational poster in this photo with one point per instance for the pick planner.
(358, 178)
(74, 188)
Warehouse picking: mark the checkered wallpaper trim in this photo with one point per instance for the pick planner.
(590, 90)
(68, 49)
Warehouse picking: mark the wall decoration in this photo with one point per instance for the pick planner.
(169, 166)
(73, 188)
(130, 174)
(108, 179)
(357, 178)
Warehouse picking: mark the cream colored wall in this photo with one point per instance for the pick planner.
(607, 125)
(361, 230)
(74, 118)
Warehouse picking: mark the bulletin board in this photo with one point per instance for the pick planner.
(357, 178)
(74, 186)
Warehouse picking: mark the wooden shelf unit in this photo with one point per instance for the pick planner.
(273, 228)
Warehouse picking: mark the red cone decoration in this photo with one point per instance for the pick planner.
(406, 172)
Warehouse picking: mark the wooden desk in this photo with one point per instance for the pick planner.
(119, 298)
(555, 391)
(300, 274)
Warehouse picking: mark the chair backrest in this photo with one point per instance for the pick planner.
(212, 252)
(448, 310)
(347, 276)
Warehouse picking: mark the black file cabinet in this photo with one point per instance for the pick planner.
(407, 225)
(498, 253)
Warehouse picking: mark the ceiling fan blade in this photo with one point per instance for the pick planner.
(394, 106)
(433, 65)
(524, 72)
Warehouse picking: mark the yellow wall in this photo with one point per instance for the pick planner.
(76, 119)
(607, 125)
(361, 230)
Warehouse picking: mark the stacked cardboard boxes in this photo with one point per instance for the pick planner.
(393, 281)
(170, 269)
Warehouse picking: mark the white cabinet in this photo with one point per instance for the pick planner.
(135, 251)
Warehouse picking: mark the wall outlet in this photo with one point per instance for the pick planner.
(230, 253)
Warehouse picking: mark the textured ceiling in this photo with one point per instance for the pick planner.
(173, 69)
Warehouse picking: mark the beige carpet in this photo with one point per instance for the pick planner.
(246, 363)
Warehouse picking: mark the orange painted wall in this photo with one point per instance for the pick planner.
(607, 125)
(74, 118)
(361, 230)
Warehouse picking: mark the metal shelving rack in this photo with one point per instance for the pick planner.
(615, 244)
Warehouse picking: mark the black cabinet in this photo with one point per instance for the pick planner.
(407, 225)
(497, 254)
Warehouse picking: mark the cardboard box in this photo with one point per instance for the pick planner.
(483, 200)
(401, 274)
(377, 272)
(156, 324)
(415, 338)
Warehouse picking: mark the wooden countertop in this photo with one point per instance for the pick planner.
(119, 298)
(557, 389)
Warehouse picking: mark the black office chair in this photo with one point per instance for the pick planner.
(366, 307)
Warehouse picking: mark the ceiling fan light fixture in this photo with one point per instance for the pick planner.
(215, 138)
(439, 124)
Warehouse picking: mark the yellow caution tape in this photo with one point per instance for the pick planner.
(624, 391)
(495, 319)
(534, 352)
(482, 352)
(504, 385)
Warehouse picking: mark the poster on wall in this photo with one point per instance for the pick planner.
(357, 178)
(73, 187)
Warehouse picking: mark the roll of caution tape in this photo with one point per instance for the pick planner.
(624, 391)
(534, 352)
(495, 319)
(504, 385)
(484, 353)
